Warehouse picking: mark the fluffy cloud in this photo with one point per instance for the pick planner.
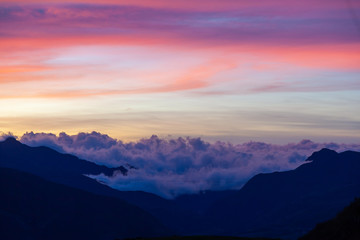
(171, 167)
(5, 135)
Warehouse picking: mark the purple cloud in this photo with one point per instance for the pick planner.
(171, 167)
(286, 25)
(5, 135)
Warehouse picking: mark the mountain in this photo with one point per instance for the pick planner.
(279, 205)
(289, 204)
(33, 208)
(199, 203)
(201, 238)
(69, 170)
(43, 160)
(345, 226)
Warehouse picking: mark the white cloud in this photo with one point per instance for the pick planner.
(171, 167)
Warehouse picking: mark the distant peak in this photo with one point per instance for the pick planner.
(323, 154)
(10, 140)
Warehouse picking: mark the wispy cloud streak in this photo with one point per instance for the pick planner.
(269, 24)
(155, 56)
(307, 34)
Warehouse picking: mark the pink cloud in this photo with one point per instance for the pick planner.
(266, 23)
(206, 5)
(306, 34)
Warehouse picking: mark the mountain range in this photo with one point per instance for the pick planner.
(289, 204)
(45, 189)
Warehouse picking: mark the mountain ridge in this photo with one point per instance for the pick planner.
(77, 164)
(345, 226)
(281, 204)
(290, 203)
(40, 161)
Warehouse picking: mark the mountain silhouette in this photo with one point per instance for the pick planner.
(289, 204)
(279, 205)
(345, 226)
(69, 170)
(42, 160)
(33, 208)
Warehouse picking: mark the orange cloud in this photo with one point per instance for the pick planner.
(327, 57)
(331, 57)
(336, 56)
(22, 69)
(194, 78)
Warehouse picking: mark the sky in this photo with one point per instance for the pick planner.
(277, 71)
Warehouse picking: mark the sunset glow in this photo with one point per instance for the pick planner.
(229, 70)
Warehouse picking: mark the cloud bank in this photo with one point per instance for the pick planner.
(171, 167)
(275, 21)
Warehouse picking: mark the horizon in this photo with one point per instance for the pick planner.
(171, 167)
(209, 139)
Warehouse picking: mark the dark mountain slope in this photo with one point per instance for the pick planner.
(69, 170)
(44, 160)
(199, 203)
(201, 238)
(345, 226)
(289, 204)
(33, 208)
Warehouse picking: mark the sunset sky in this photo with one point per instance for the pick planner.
(230, 70)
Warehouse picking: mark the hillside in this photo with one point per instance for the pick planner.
(69, 170)
(289, 204)
(345, 226)
(33, 208)
(200, 238)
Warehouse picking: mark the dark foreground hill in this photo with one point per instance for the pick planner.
(289, 204)
(33, 208)
(69, 170)
(200, 238)
(345, 226)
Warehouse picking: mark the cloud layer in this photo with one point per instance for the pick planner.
(277, 22)
(171, 167)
